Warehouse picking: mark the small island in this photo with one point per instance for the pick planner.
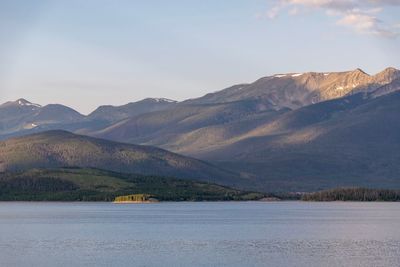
(135, 198)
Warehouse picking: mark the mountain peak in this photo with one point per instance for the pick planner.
(388, 75)
(20, 103)
(359, 71)
(24, 102)
(390, 71)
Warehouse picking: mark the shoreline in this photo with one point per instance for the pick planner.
(188, 201)
(134, 202)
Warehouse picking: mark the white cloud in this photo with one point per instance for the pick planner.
(273, 12)
(293, 11)
(385, 2)
(362, 16)
(361, 23)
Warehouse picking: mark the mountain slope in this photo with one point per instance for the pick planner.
(159, 128)
(55, 149)
(210, 120)
(387, 88)
(55, 113)
(113, 114)
(345, 142)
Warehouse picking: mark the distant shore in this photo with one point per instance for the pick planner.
(358, 194)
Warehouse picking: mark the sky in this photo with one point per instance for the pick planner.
(94, 52)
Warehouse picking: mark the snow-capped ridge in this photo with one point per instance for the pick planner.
(24, 102)
(289, 74)
(163, 100)
(297, 74)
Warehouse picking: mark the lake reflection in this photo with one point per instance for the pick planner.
(200, 234)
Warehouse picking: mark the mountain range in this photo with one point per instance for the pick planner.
(285, 132)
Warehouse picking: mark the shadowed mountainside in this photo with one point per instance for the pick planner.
(345, 142)
(160, 128)
(55, 149)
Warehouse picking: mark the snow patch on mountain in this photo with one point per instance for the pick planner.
(164, 100)
(23, 102)
(297, 74)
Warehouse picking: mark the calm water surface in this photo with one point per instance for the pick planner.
(200, 234)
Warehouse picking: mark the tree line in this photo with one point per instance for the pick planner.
(353, 194)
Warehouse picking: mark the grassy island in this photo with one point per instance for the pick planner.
(135, 198)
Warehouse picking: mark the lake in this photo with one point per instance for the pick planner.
(200, 234)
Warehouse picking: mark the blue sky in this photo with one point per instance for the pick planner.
(88, 53)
